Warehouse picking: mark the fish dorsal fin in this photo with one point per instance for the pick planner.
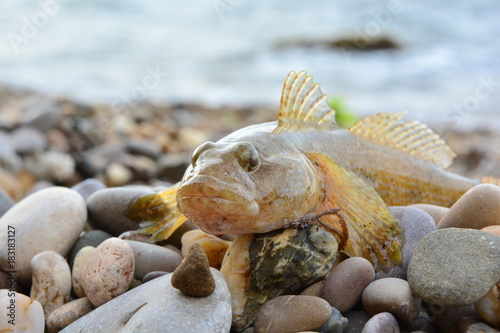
(303, 105)
(412, 138)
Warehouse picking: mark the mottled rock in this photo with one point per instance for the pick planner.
(27, 140)
(436, 212)
(391, 295)
(108, 271)
(193, 276)
(50, 219)
(151, 257)
(477, 208)
(455, 266)
(51, 280)
(88, 187)
(382, 322)
(346, 282)
(76, 273)
(286, 314)
(488, 306)
(152, 275)
(23, 312)
(68, 313)
(109, 208)
(415, 224)
(90, 238)
(158, 307)
(6, 202)
(214, 247)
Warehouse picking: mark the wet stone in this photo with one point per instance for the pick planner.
(286, 314)
(455, 266)
(346, 282)
(68, 313)
(193, 276)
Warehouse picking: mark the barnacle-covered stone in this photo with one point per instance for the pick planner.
(260, 267)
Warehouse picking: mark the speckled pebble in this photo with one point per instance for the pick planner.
(30, 320)
(214, 247)
(51, 280)
(76, 273)
(477, 208)
(151, 257)
(108, 271)
(346, 282)
(391, 295)
(382, 322)
(193, 276)
(68, 313)
(455, 266)
(286, 314)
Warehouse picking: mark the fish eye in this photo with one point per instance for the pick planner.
(253, 161)
(198, 151)
(248, 157)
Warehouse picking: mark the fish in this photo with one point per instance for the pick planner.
(259, 178)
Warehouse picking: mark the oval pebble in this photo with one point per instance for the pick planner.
(382, 322)
(286, 314)
(108, 209)
(76, 273)
(68, 313)
(51, 280)
(391, 295)
(346, 282)
(151, 257)
(30, 320)
(477, 208)
(50, 219)
(108, 272)
(455, 266)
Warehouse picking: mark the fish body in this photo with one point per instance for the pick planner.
(260, 177)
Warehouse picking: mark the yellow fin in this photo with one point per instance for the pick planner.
(411, 138)
(303, 104)
(159, 213)
(373, 232)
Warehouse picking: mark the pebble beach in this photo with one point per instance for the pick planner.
(71, 259)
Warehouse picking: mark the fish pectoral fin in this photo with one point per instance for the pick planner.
(411, 138)
(303, 105)
(158, 213)
(373, 233)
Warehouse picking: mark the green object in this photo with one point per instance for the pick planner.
(344, 117)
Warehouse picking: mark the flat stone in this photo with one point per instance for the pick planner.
(90, 238)
(150, 257)
(156, 306)
(346, 282)
(28, 320)
(68, 313)
(214, 247)
(109, 208)
(455, 266)
(477, 208)
(193, 276)
(108, 272)
(51, 280)
(436, 212)
(76, 272)
(382, 322)
(88, 187)
(287, 314)
(391, 295)
(50, 219)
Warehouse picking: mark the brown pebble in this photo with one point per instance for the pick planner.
(477, 208)
(68, 313)
(193, 276)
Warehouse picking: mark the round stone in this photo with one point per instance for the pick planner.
(108, 272)
(50, 219)
(455, 266)
(193, 276)
(346, 282)
(477, 208)
(68, 313)
(287, 314)
(391, 295)
(382, 322)
(51, 280)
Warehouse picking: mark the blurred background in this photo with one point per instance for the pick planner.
(439, 61)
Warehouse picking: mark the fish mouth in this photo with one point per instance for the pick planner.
(214, 205)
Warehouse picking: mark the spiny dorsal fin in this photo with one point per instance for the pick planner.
(303, 104)
(411, 138)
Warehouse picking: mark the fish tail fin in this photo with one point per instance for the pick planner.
(158, 213)
(490, 180)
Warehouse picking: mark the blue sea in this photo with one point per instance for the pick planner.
(227, 52)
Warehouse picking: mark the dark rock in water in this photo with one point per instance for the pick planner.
(193, 276)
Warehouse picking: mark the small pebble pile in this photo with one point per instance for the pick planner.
(72, 261)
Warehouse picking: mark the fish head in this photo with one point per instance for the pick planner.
(238, 188)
